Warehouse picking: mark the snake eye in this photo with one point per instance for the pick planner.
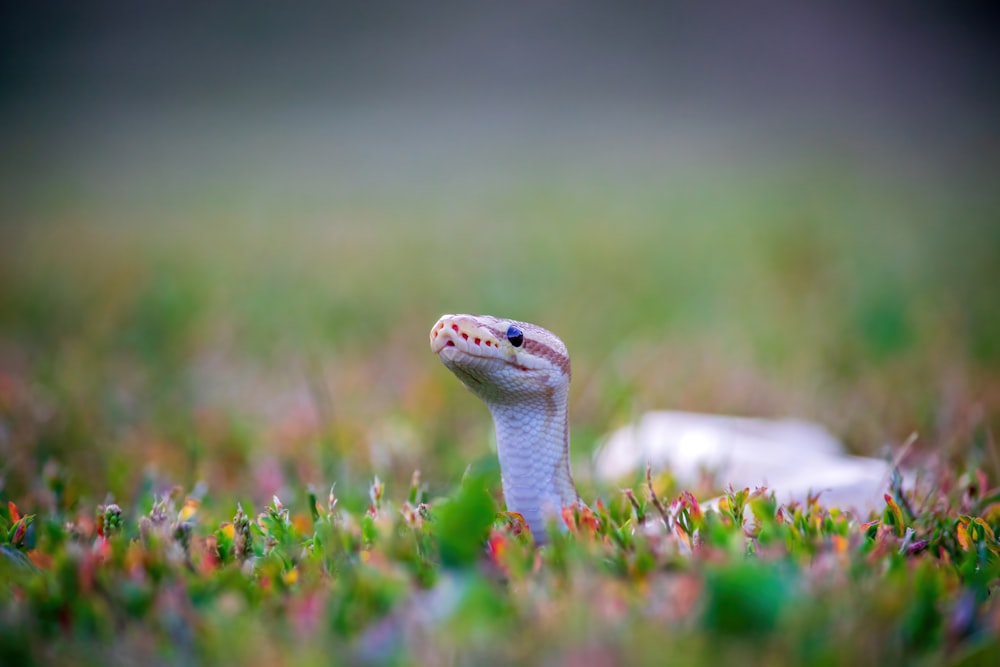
(515, 336)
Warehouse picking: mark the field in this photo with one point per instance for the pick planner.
(223, 436)
(161, 377)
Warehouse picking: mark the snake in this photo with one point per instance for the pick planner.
(522, 373)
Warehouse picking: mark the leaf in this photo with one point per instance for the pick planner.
(744, 598)
(894, 515)
(462, 523)
(14, 515)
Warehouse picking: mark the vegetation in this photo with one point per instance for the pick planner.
(209, 430)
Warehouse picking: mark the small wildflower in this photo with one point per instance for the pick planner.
(653, 498)
(640, 511)
(331, 501)
(516, 522)
(689, 516)
(416, 489)
(182, 535)
(569, 519)
(894, 515)
(19, 530)
(156, 525)
(242, 536)
(109, 519)
(375, 493)
(497, 546)
(411, 516)
(15, 516)
(276, 512)
(586, 518)
(189, 509)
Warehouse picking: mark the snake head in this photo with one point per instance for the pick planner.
(501, 361)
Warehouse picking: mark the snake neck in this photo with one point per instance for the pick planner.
(533, 448)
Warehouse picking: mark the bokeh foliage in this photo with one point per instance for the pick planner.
(144, 348)
(404, 581)
(177, 335)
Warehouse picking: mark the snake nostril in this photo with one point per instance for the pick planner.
(454, 327)
(450, 343)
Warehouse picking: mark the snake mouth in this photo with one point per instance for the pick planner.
(470, 340)
(455, 352)
(445, 343)
(447, 350)
(455, 357)
(439, 344)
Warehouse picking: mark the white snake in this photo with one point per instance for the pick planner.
(522, 373)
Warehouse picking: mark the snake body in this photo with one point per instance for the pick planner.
(522, 373)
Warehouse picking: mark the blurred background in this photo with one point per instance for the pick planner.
(226, 231)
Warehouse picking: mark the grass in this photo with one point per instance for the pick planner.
(180, 389)
(402, 581)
